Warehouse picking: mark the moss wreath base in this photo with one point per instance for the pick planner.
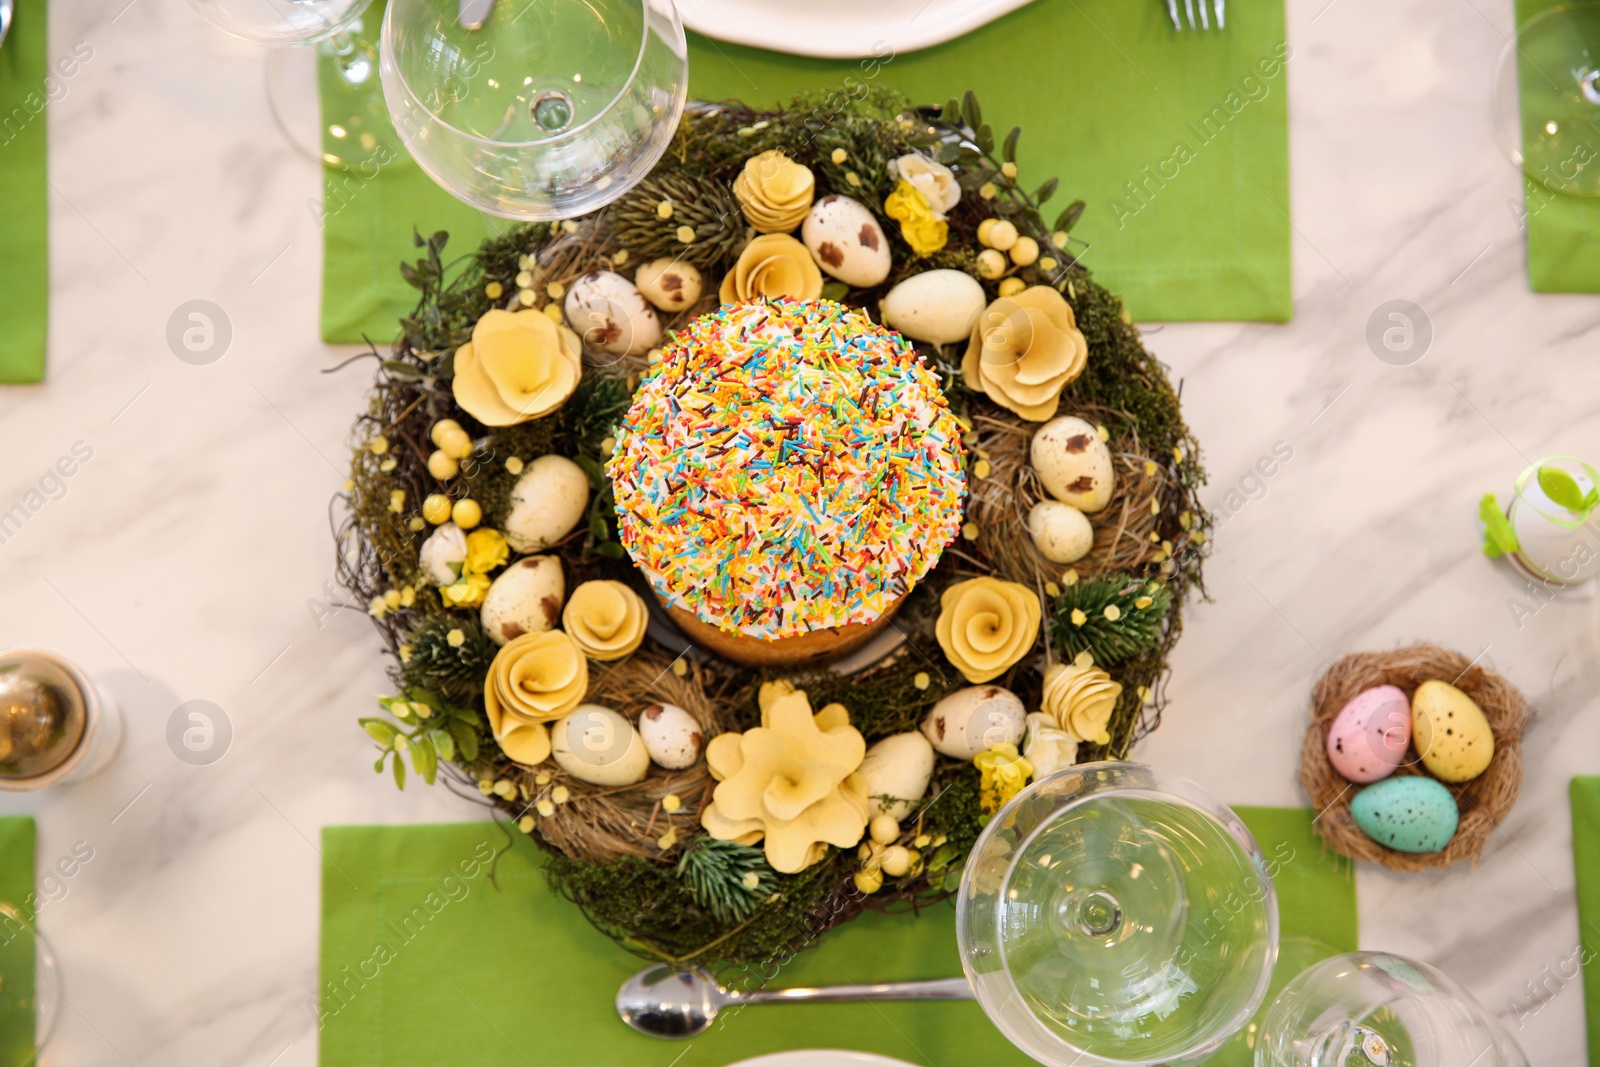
(634, 858)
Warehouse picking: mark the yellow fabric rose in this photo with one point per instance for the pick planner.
(466, 591)
(774, 264)
(1023, 352)
(534, 679)
(605, 619)
(1081, 700)
(923, 228)
(519, 365)
(791, 782)
(986, 625)
(1001, 775)
(486, 550)
(774, 192)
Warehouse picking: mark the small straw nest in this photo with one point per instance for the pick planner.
(600, 823)
(1001, 502)
(1484, 801)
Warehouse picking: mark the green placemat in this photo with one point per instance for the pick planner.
(424, 962)
(24, 200)
(1178, 142)
(1586, 861)
(16, 944)
(1563, 231)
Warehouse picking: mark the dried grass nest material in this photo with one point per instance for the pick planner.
(1484, 802)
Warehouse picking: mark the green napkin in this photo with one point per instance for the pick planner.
(1585, 793)
(1563, 231)
(424, 962)
(24, 240)
(1178, 143)
(16, 945)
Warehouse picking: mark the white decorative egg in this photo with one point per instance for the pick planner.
(672, 736)
(974, 720)
(611, 315)
(599, 746)
(445, 546)
(1060, 531)
(526, 598)
(936, 306)
(1074, 465)
(670, 284)
(846, 241)
(547, 503)
(899, 766)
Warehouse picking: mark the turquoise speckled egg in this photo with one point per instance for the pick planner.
(1410, 814)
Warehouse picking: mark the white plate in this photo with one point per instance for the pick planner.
(841, 29)
(821, 1057)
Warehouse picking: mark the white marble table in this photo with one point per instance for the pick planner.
(190, 938)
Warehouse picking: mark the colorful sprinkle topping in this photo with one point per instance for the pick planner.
(786, 467)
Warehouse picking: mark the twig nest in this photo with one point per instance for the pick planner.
(518, 366)
(1452, 735)
(1074, 465)
(534, 679)
(936, 306)
(599, 746)
(605, 619)
(774, 192)
(1060, 532)
(670, 284)
(443, 553)
(547, 503)
(897, 771)
(611, 315)
(986, 626)
(524, 599)
(974, 720)
(1024, 350)
(847, 242)
(672, 736)
(772, 265)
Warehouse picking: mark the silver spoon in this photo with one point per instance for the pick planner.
(664, 1002)
(6, 7)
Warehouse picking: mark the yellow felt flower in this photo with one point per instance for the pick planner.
(774, 264)
(486, 550)
(791, 782)
(605, 619)
(774, 192)
(519, 365)
(1024, 350)
(534, 679)
(986, 625)
(1002, 773)
(466, 591)
(1081, 700)
(922, 227)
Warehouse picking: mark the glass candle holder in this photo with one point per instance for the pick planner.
(56, 724)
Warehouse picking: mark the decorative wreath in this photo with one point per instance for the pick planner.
(929, 453)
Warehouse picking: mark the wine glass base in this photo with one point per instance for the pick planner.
(1546, 106)
(326, 99)
(1295, 954)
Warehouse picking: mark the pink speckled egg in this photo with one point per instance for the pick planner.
(1368, 737)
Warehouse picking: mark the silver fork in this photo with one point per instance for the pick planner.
(1218, 14)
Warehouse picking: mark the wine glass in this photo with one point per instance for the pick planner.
(1547, 98)
(1112, 914)
(1374, 1009)
(318, 48)
(547, 110)
(30, 981)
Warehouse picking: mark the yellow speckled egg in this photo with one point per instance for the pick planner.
(1450, 732)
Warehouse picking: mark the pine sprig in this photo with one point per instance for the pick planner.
(455, 674)
(727, 878)
(704, 205)
(1113, 617)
